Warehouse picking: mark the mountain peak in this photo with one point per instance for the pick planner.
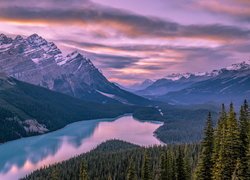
(2, 36)
(178, 76)
(238, 66)
(4, 39)
(18, 38)
(37, 40)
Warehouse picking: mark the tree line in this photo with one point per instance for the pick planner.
(223, 154)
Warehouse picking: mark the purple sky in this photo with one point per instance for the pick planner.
(137, 39)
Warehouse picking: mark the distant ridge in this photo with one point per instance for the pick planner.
(231, 83)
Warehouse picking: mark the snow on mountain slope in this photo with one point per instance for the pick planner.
(37, 61)
(179, 81)
(232, 84)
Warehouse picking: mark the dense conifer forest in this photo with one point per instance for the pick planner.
(224, 153)
(20, 101)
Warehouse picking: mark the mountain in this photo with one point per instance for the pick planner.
(139, 86)
(231, 84)
(26, 109)
(174, 82)
(39, 62)
(178, 81)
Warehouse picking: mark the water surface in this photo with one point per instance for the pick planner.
(20, 157)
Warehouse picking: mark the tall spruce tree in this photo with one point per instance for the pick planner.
(164, 167)
(131, 172)
(232, 142)
(83, 174)
(54, 174)
(219, 143)
(146, 173)
(167, 166)
(180, 167)
(244, 143)
(205, 165)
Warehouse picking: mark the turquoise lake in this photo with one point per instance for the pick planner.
(20, 157)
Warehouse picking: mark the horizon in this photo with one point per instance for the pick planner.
(131, 43)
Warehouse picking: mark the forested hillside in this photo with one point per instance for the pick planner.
(27, 110)
(183, 124)
(224, 153)
(120, 160)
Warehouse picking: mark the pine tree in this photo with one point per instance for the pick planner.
(180, 168)
(244, 143)
(83, 175)
(232, 141)
(205, 165)
(131, 173)
(219, 143)
(146, 173)
(54, 174)
(163, 167)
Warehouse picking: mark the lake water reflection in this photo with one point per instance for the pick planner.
(20, 157)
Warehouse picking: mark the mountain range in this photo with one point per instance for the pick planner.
(35, 60)
(224, 85)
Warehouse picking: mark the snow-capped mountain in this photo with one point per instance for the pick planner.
(227, 84)
(37, 61)
(234, 67)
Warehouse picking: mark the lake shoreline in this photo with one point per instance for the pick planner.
(50, 131)
(74, 139)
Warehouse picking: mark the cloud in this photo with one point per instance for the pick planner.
(114, 61)
(131, 47)
(235, 9)
(112, 22)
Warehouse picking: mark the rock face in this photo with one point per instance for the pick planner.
(32, 126)
(39, 62)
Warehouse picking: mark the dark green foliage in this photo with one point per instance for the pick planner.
(180, 167)
(205, 165)
(126, 162)
(244, 122)
(54, 174)
(183, 124)
(220, 159)
(20, 101)
(146, 172)
(83, 174)
(230, 149)
(148, 114)
(10, 126)
(231, 144)
(131, 173)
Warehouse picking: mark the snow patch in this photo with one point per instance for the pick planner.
(124, 101)
(36, 60)
(107, 95)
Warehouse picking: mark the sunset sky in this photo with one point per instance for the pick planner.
(132, 40)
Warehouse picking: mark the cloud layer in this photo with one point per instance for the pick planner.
(131, 46)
